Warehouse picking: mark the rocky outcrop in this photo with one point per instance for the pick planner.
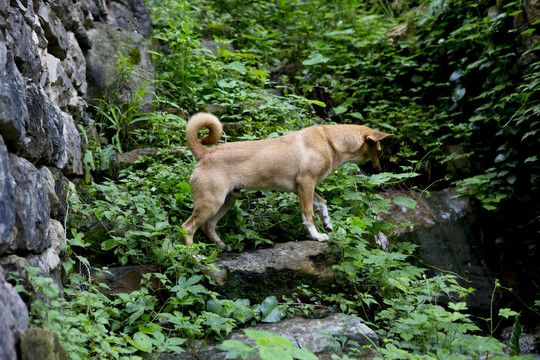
(443, 224)
(324, 337)
(275, 271)
(44, 87)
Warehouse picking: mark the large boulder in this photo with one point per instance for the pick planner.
(274, 271)
(13, 319)
(443, 224)
(324, 337)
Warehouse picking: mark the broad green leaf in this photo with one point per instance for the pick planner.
(404, 201)
(142, 342)
(235, 349)
(270, 353)
(315, 58)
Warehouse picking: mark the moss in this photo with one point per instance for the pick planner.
(220, 30)
(134, 56)
(255, 287)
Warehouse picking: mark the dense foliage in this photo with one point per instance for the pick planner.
(464, 114)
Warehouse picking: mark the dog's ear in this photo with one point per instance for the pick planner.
(376, 136)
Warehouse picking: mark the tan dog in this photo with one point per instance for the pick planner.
(294, 162)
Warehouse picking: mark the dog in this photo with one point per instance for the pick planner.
(294, 162)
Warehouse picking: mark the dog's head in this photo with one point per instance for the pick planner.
(371, 148)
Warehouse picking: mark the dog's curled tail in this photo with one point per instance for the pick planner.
(196, 123)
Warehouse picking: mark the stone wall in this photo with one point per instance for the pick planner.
(45, 80)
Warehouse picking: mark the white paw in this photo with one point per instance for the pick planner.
(320, 237)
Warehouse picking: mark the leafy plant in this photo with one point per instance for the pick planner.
(268, 346)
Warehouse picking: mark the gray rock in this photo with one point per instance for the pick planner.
(7, 199)
(13, 110)
(75, 65)
(48, 262)
(13, 319)
(323, 337)
(275, 271)
(49, 184)
(442, 225)
(102, 63)
(44, 141)
(124, 160)
(20, 41)
(130, 15)
(41, 344)
(54, 31)
(63, 188)
(56, 82)
(72, 140)
(32, 207)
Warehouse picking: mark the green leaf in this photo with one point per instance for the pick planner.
(235, 349)
(506, 313)
(406, 202)
(270, 310)
(314, 59)
(142, 342)
(514, 338)
(270, 353)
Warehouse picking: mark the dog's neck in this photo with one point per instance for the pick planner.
(344, 144)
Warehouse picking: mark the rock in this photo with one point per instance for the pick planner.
(442, 225)
(127, 279)
(275, 271)
(20, 41)
(41, 344)
(401, 33)
(63, 188)
(55, 33)
(49, 184)
(72, 140)
(32, 207)
(48, 262)
(13, 110)
(13, 319)
(323, 337)
(130, 15)
(102, 63)
(7, 199)
(56, 82)
(44, 141)
(124, 160)
(75, 65)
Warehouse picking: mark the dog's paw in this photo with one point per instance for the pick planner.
(320, 237)
(328, 227)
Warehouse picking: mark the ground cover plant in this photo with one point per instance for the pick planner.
(276, 67)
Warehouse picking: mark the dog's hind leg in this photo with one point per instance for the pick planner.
(306, 190)
(205, 208)
(209, 227)
(322, 209)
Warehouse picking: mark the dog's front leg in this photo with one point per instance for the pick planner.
(322, 209)
(306, 191)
